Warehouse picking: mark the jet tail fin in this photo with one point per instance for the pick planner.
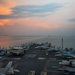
(9, 65)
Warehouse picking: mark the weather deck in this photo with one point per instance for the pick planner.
(36, 60)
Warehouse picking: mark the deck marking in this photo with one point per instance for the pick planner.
(41, 58)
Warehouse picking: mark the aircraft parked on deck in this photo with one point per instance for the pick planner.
(8, 69)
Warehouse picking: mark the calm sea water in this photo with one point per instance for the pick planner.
(6, 41)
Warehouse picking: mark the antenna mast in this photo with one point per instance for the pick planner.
(62, 43)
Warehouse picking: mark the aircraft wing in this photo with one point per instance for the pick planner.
(6, 69)
(69, 69)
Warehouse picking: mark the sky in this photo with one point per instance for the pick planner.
(37, 17)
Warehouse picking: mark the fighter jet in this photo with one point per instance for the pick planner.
(8, 69)
(54, 49)
(65, 55)
(68, 70)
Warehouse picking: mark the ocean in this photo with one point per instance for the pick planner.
(6, 41)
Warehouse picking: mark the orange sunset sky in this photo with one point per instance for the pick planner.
(37, 17)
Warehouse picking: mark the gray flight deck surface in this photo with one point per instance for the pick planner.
(36, 60)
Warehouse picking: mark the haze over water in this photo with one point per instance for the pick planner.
(6, 41)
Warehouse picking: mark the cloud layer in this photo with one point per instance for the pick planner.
(25, 11)
(39, 17)
(71, 20)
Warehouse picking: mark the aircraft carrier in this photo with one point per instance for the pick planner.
(35, 60)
